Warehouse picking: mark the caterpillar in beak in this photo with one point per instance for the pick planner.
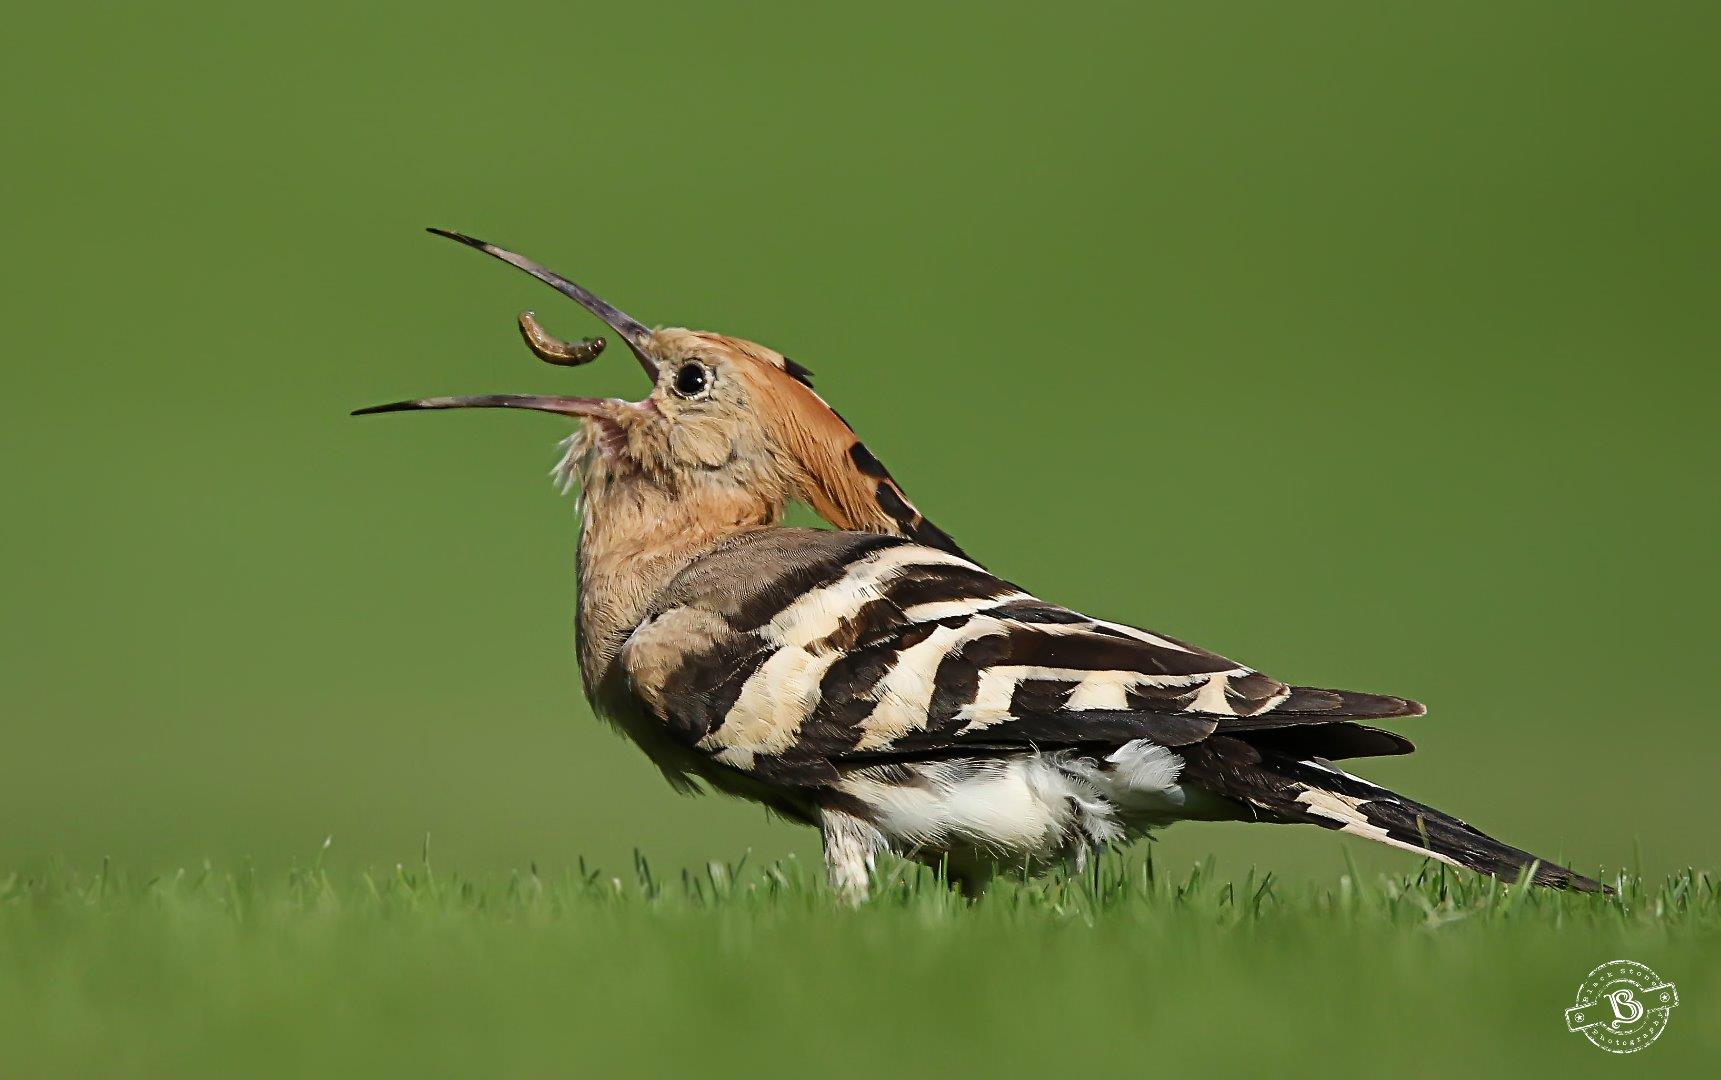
(553, 350)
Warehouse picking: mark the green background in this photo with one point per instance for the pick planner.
(1372, 344)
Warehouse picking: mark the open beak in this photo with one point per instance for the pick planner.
(550, 349)
(547, 348)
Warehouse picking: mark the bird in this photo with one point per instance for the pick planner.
(873, 680)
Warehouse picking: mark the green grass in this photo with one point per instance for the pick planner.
(753, 970)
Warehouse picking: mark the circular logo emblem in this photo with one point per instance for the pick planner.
(1622, 1007)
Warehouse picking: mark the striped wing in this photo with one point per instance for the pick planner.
(801, 650)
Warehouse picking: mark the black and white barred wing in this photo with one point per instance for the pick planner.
(802, 650)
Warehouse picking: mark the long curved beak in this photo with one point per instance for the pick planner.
(584, 407)
(630, 330)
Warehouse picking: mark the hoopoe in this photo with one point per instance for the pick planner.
(874, 681)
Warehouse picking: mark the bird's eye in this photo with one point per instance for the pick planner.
(692, 379)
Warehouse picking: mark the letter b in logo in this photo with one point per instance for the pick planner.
(1625, 1007)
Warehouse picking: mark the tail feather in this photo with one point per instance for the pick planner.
(1332, 742)
(1316, 703)
(1282, 788)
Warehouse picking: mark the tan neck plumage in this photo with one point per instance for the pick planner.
(635, 536)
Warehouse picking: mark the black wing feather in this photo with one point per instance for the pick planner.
(934, 657)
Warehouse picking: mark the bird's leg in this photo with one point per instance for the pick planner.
(972, 884)
(849, 846)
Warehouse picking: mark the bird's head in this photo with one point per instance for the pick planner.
(726, 421)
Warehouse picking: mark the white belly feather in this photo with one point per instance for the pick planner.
(1029, 809)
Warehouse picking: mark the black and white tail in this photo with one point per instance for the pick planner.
(1283, 788)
